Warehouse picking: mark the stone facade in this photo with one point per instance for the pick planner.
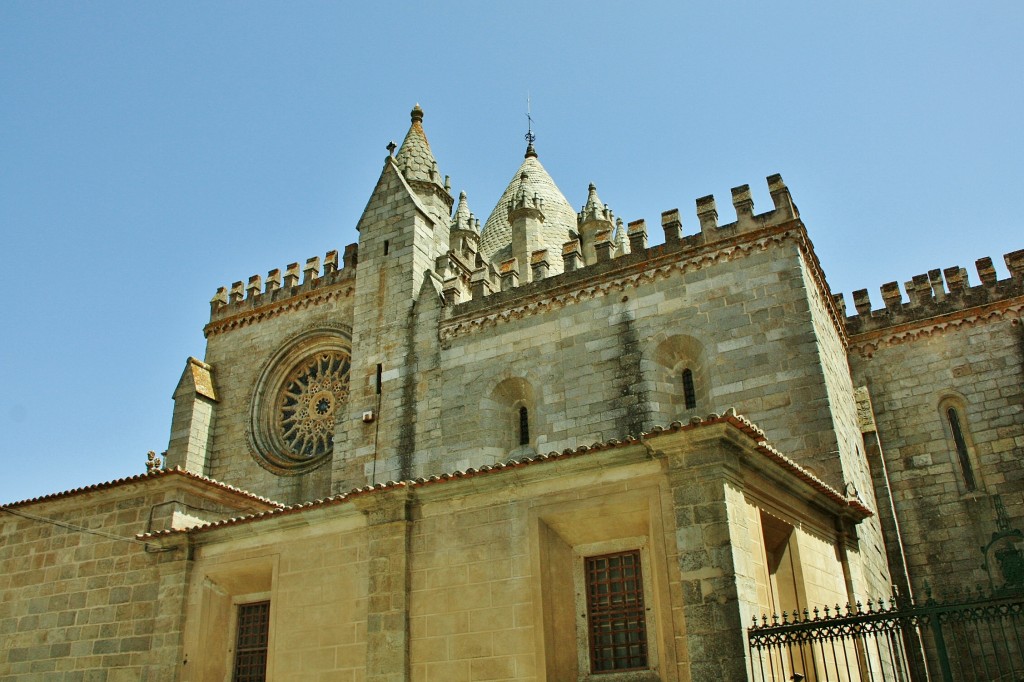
(452, 422)
(81, 598)
(955, 345)
(471, 576)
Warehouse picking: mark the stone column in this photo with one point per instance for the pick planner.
(705, 478)
(389, 521)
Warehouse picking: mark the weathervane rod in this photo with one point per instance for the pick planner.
(530, 137)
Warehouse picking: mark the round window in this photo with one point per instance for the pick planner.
(298, 399)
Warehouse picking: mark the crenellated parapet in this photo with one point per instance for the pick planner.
(622, 259)
(602, 239)
(231, 304)
(935, 301)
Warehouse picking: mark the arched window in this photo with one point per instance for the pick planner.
(681, 382)
(689, 394)
(960, 444)
(509, 420)
(524, 426)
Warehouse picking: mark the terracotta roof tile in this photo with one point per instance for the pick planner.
(176, 471)
(730, 417)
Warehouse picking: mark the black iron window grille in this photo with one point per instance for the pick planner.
(524, 426)
(689, 393)
(251, 642)
(617, 630)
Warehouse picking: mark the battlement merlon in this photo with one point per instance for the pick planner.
(258, 292)
(937, 293)
(743, 204)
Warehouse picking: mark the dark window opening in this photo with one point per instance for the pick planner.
(380, 374)
(961, 448)
(616, 625)
(386, 247)
(689, 393)
(251, 642)
(524, 426)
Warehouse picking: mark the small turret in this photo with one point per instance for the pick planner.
(463, 216)
(526, 215)
(622, 245)
(465, 231)
(595, 218)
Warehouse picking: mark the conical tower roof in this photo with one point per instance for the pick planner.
(559, 217)
(415, 159)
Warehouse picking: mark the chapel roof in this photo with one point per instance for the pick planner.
(140, 478)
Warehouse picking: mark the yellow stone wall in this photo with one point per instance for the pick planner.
(479, 577)
(80, 597)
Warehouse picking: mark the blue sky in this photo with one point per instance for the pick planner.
(151, 152)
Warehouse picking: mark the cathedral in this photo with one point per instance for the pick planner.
(536, 447)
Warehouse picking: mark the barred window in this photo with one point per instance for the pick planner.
(524, 426)
(251, 642)
(616, 619)
(689, 393)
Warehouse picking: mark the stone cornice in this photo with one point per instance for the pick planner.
(867, 343)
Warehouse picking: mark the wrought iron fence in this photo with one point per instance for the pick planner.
(967, 638)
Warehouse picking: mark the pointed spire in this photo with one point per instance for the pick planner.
(415, 158)
(622, 245)
(594, 209)
(464, 219)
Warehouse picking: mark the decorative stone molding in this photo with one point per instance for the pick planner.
(634, 273)
(312, 298)
(867, 343)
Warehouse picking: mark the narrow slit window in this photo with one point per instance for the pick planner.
(689, 393)
(524, 426)
(251, 642)
(386, 246)
(616, 617)
(380, 375)
(953, 417)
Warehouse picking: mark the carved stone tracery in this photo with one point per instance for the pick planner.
(298, 399)
(308, 402)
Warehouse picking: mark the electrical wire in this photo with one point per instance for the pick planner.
(80, 529)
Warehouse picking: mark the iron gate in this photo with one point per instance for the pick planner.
(969, 638)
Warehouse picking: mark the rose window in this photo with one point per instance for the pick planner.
(308, 403)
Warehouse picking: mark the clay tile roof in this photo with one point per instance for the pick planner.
(161, 473)
(748, 428)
